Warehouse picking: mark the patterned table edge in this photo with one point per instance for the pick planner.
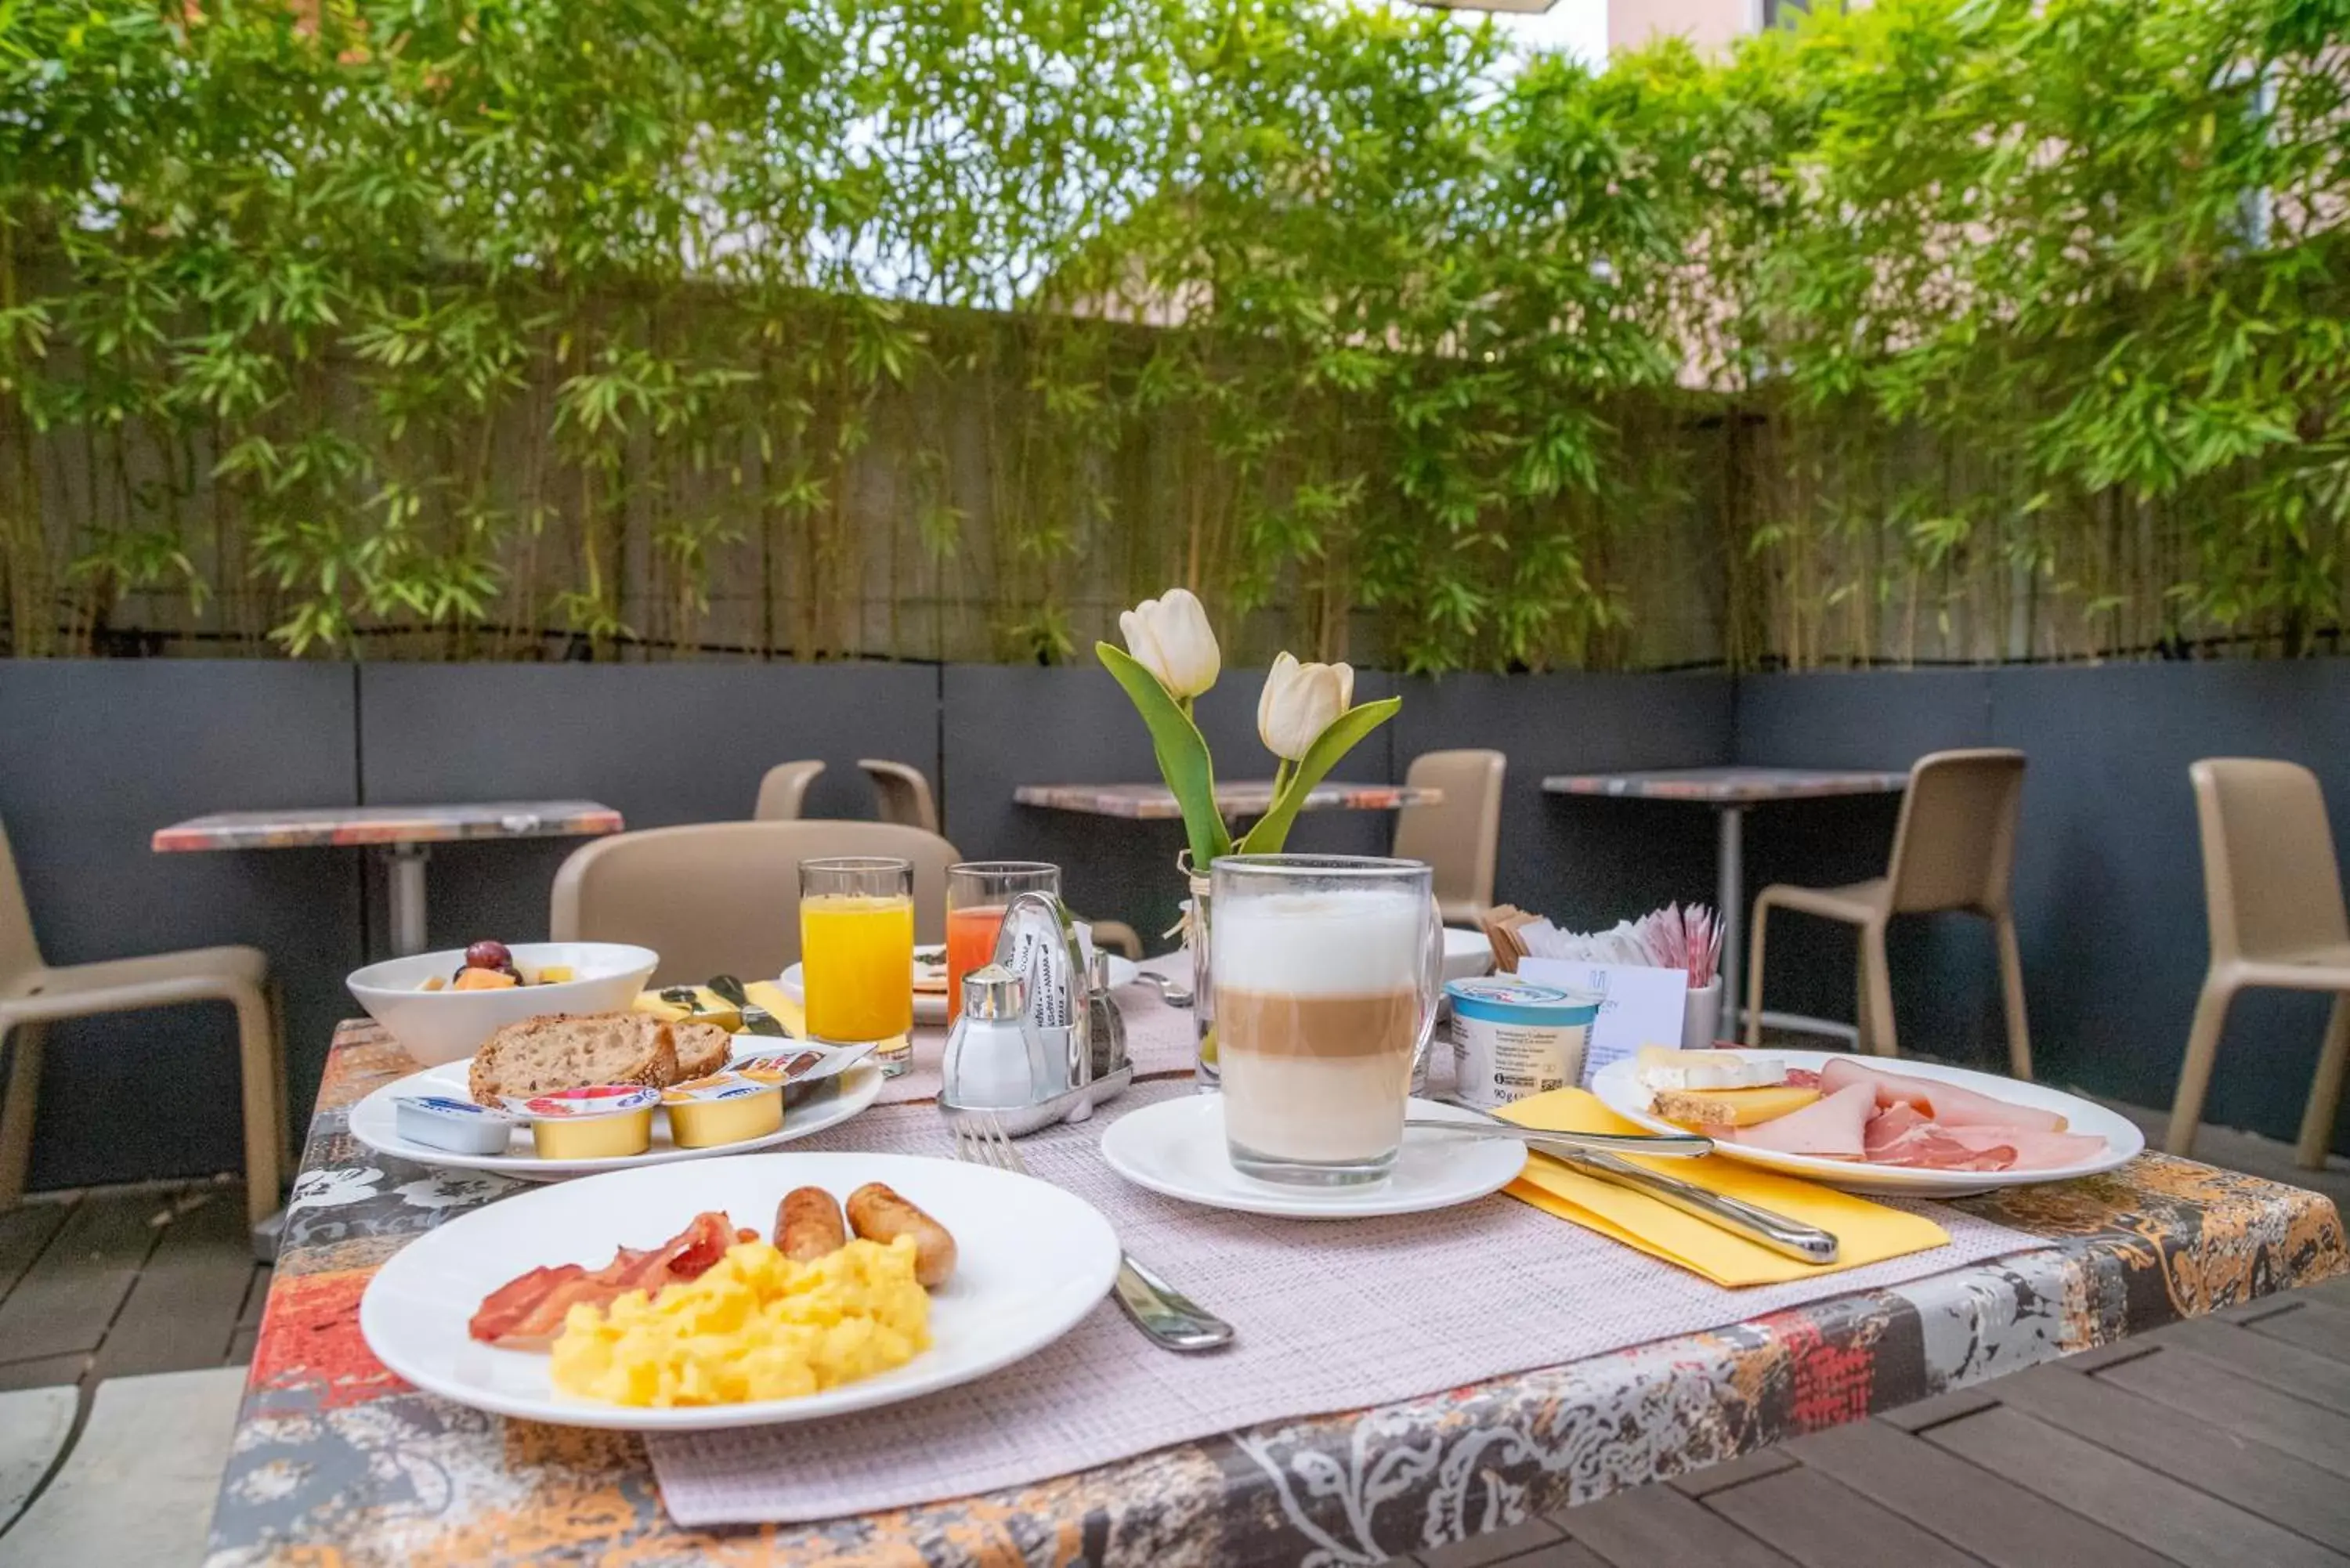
(1150, 803)
(1728, 789)
(199, 835)
(335, 1457)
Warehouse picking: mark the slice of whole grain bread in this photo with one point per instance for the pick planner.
(702, 1049)
(566, 1051)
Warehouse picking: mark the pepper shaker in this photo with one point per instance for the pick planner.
(1109, 1031)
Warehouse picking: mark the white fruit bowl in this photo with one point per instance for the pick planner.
(444, 1025)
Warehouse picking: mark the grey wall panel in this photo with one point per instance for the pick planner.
(662, 744)
(101, 753)
(2109, 883)
(1009, 726)
(1943, 967)
(1584, 861)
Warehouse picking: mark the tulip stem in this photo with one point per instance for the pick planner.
(1281, 777)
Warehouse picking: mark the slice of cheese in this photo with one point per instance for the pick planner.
(1731, 1107)
(1670, 1067)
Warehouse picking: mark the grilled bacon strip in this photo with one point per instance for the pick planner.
(527, 1312)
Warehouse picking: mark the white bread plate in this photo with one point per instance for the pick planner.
(840, 1087)
(446, 1026)
(1620, 1088)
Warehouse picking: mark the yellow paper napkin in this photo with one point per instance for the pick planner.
(709, 1007)
(766, 994)
(1865, 1232)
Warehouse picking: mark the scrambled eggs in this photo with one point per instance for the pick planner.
(757, 1325)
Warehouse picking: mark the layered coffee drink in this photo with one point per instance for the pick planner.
(1321, 1001)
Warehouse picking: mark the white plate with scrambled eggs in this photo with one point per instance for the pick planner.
(1032, 1261)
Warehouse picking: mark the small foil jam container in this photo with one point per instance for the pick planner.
(603, 1121)
(725, 1107)
(459, 1127)
(1511, 1039)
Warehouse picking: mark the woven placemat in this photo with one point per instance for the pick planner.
(1331, 1316)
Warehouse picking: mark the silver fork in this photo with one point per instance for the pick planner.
(1170, 1318)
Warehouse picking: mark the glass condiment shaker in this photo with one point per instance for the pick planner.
(1109, 1031)
(995, 1059)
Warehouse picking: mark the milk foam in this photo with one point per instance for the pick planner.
(1320, 944)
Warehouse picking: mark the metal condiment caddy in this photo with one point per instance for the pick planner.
(1036, 1002)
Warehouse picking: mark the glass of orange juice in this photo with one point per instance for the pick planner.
(977, 892)
(857, 954)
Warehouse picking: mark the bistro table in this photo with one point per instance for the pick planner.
(404, 831)
(336, 1460)
(1730, 790)
(1156, 803)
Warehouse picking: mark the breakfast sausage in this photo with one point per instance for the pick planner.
(807, 1225)
(879, 1214)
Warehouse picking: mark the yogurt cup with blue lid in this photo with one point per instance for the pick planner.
(1513, 1038)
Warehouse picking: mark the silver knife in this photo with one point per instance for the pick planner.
(756, 1020)
(1804, 1243)
(1791, 1238)
(1669, 1145)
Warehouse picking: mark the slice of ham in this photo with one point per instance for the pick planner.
(2030, 1150)
(1945, 1103)
(1830, 1127)
(1899, 1134)
(527, 1312)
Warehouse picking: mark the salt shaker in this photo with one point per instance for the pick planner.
(994, 1060)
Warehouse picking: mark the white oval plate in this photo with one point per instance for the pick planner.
(1177, 1147)
(1617, 1084)
(1030, 1261)
(375, 1122)
(931, 1006)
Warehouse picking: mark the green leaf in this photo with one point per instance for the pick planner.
(1272, 830)
(1182, 751)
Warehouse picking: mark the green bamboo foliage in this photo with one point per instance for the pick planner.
(625, 328)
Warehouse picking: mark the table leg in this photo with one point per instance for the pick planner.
(1729, 906)
(405, 893)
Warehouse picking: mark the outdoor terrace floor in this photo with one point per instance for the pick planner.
(2221, 1442)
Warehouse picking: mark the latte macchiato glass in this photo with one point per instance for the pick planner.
(1327, 973)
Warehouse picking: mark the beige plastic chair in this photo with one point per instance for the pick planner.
(1953, 849)
(2272, 893)
(34, 994)
(903, 794)
(783, 791)
(723, 898)
(1459, 836)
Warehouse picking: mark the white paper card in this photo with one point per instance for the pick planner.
(1643, 1006)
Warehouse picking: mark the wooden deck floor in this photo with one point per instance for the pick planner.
(2215, 1444)
(125, 1281)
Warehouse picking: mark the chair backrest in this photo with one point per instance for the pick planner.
(1955, 846)
(723, 898)
(2270, 883)
(20, 955)
(1459, 836)
(783, 791)
(903, 793)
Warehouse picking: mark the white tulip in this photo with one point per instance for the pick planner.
(1169, 636)
(1300, 702)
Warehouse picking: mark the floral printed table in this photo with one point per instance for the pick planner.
(335, 1460)
(403, 831)
(1154, 802)
(1730, 790)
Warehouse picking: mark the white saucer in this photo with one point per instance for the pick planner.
(1177, 1147)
